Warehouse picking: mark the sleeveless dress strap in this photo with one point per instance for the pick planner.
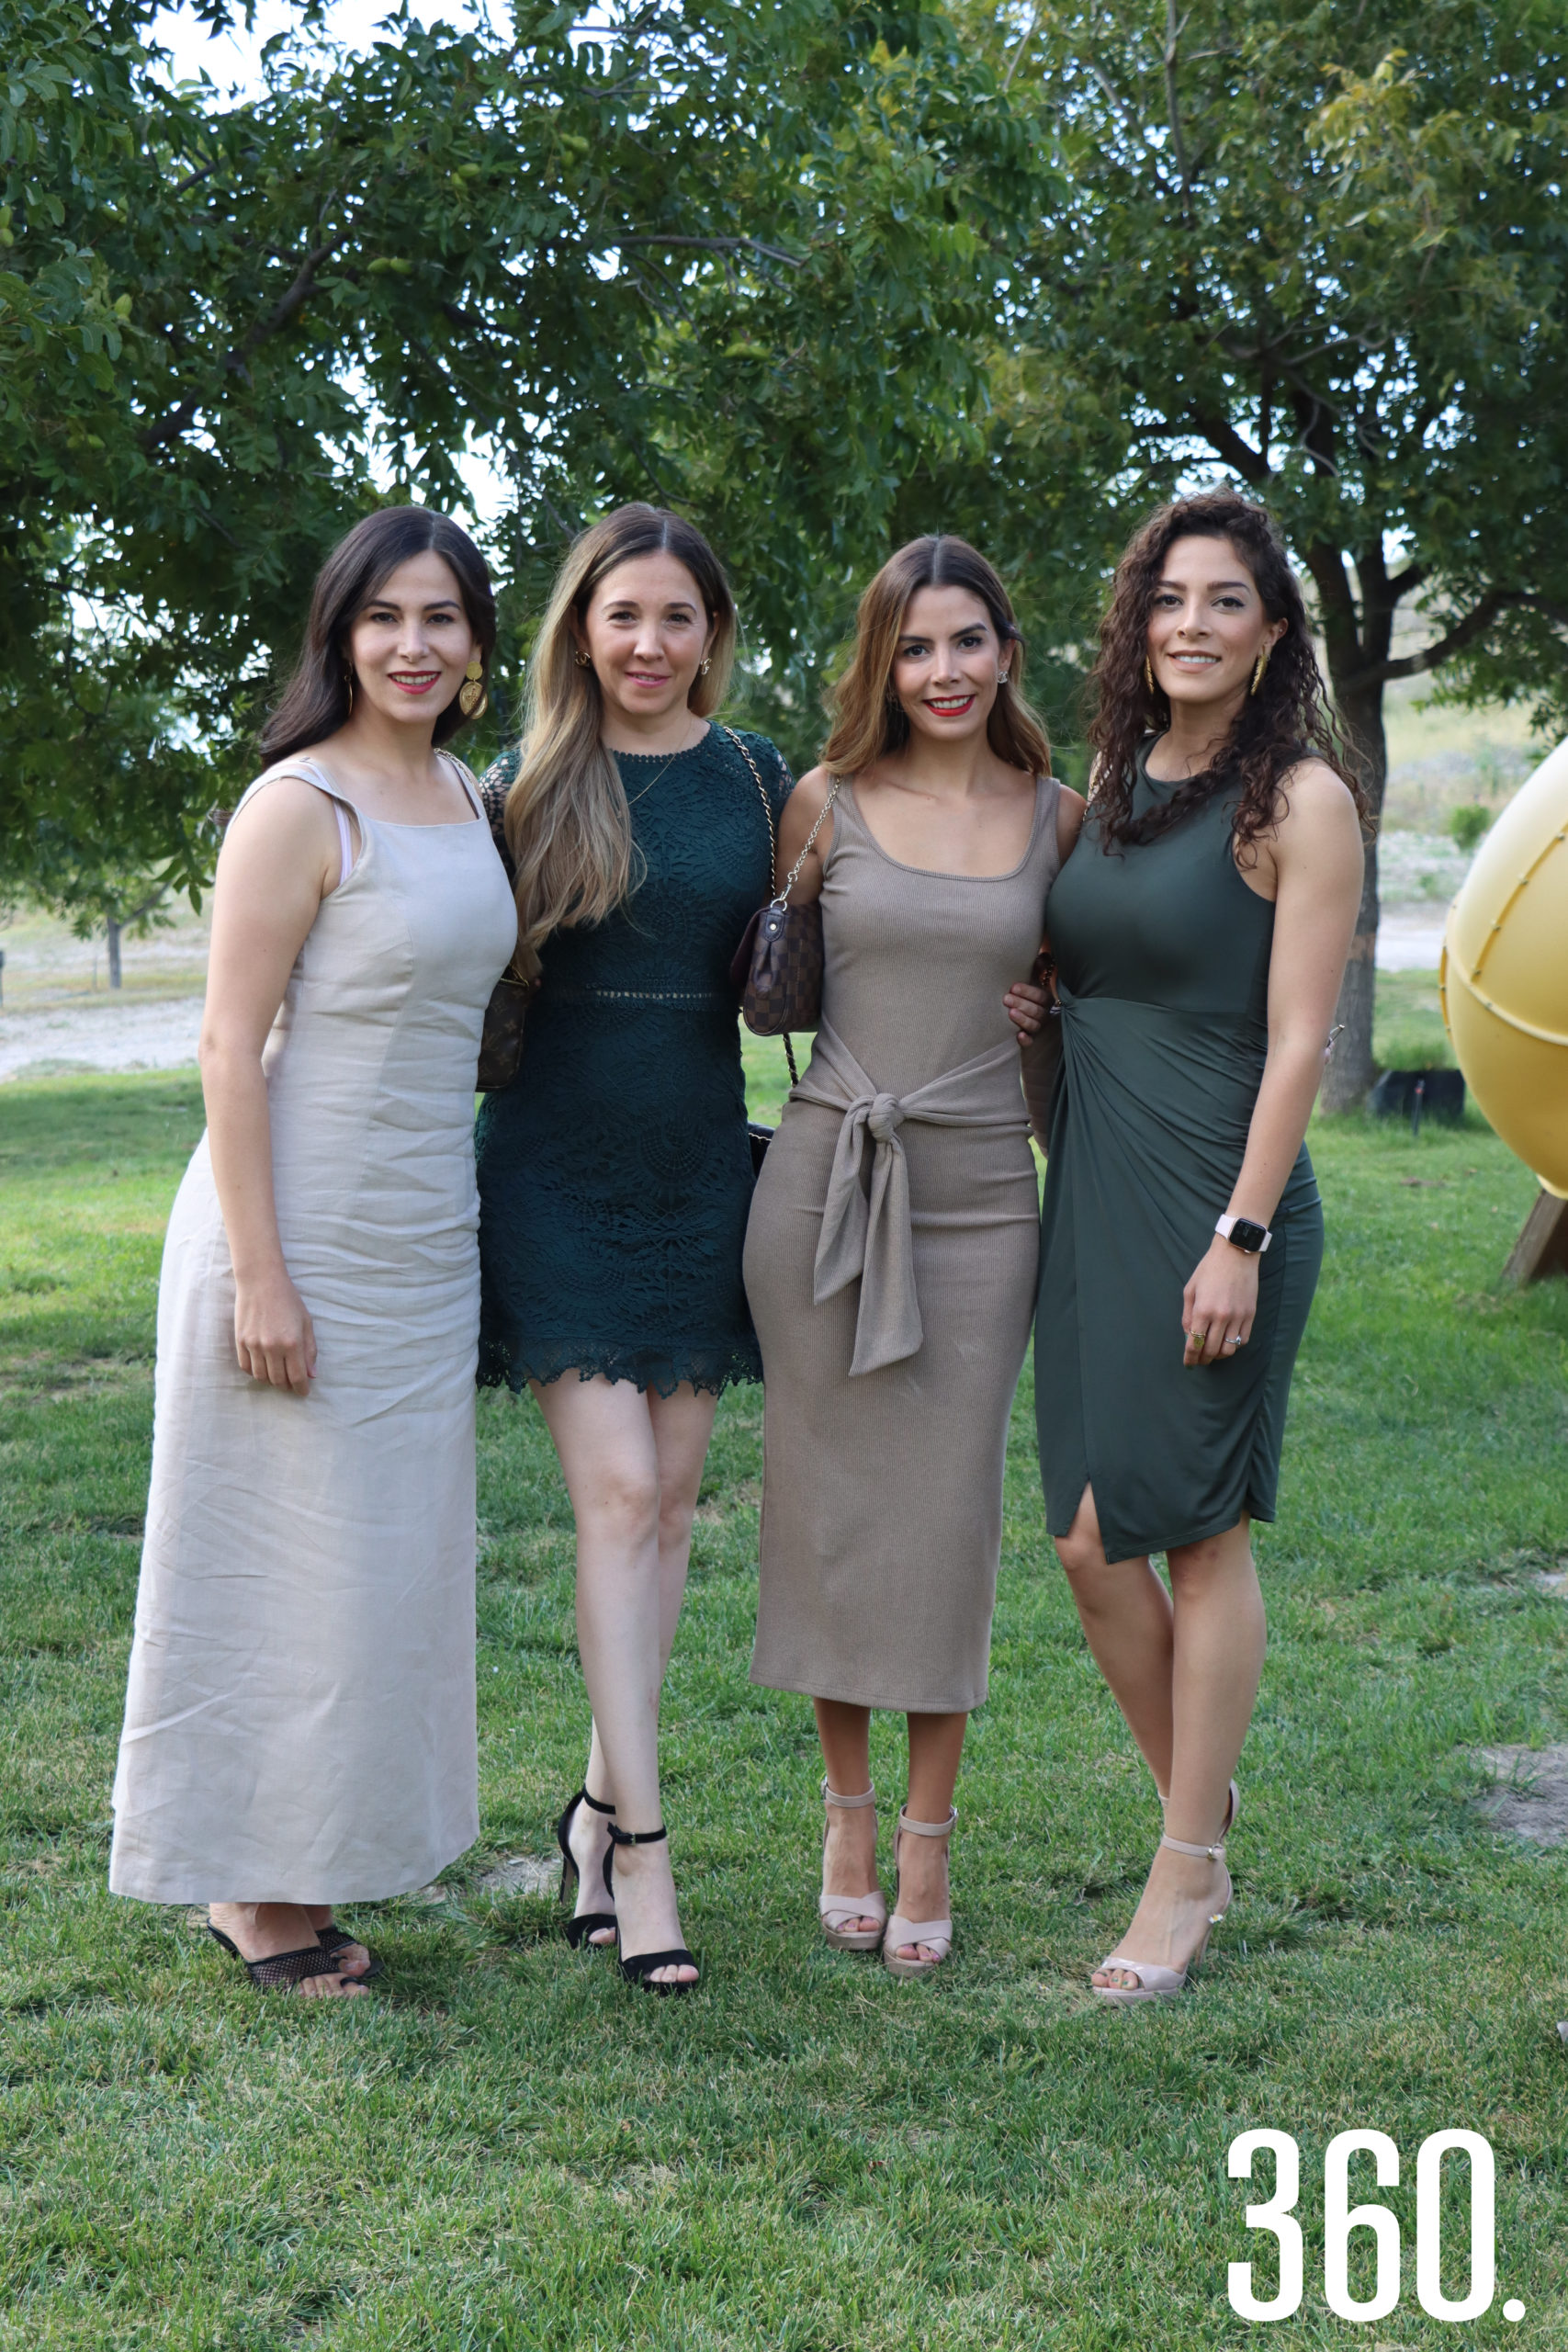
(466, 779)
(310, 772)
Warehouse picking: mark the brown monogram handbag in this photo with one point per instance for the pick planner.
(501, 1047)
(777, 969)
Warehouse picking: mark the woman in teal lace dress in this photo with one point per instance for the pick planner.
(614, 1171)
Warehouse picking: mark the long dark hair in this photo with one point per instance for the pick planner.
(868, 718)
(316, 701)
(1287, 716)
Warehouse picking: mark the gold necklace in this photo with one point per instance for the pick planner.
(633, 798)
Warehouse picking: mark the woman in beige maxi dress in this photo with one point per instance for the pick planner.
(890, 1263)
(299, 1721)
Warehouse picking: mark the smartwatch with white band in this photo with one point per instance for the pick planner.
(1242, 1234)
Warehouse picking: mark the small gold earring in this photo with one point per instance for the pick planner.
(471, 696)
(1149, 678)
(1261, 664)
(705, 666)
(583, 660)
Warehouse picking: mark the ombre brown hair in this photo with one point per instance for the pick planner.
(868, 718)
(317, 700)
(568, 824)
(1286, 719)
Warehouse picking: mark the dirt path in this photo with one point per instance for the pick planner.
(132, 1033)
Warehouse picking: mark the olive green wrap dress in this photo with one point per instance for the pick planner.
(1162, 953)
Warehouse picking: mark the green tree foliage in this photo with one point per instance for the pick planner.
(733, 260)
(1319, 250)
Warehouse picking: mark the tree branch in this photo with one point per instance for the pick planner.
(1024, 41)
(716, 245)
(287, 305)
(1476, 623)
(1227, 445)
(1174, 28)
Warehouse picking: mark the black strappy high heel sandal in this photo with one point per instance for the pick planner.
(283, 1970)
(585, 1923)
(334, 1939)
(638, 1967)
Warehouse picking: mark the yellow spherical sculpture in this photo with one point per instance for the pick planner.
(1505, 974)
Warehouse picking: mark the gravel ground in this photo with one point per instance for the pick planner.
(50, 1022)
(131, 1035)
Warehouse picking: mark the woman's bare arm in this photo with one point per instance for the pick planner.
(1319, 863)
(279, 861)
(803, 808)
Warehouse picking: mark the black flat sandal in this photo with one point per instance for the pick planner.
(334, 1939)
(586, 1923)
(638, 1967)
(284, 1969)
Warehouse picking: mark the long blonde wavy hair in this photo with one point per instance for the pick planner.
(868, 718)
(568, 825)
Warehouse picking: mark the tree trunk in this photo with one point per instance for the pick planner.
(1349, 1075)
(111, 932)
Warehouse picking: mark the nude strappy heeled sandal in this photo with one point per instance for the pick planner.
(834, 1910)
(1155, 1983)
(1232, 1806)
(935, 1932)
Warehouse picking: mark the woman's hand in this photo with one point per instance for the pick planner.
(274, 1337)
(1219, 1304)
(1027, 1005)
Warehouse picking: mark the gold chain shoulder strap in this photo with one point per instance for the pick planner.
(762, 790)
(783, 895)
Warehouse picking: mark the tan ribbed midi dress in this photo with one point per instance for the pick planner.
(890, 1264)
(299, 1721)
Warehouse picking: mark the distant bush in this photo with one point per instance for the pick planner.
(1468, 822)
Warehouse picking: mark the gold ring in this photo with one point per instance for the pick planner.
(1197, 1337)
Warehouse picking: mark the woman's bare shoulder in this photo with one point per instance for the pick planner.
(810, 795)
(1070, 805)
(1312, 783)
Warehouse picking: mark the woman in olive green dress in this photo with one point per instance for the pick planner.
(1200, 934)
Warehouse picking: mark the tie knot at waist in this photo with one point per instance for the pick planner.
(866, 1235)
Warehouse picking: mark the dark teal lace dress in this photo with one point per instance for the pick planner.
(614, 1171)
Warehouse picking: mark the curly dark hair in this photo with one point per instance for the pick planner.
(1288, 715)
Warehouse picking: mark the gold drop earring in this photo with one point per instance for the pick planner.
(705, 666)
(1259, 666)
(348, 681)
(1149, 678)
(471, 696)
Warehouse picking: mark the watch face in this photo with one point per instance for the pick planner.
(1245, 1234)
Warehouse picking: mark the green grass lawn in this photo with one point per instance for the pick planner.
(510, 2149)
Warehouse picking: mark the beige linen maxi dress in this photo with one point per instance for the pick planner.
(299, 1722)
(890, 1263)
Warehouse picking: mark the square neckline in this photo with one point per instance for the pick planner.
(945, 874)
(392, 824)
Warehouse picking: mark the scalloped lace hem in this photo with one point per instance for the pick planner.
(711, 1369)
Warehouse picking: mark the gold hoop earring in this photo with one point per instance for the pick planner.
(583, 660)
(705, 666)
(1149, 678)
(1259, 666)
(471, 696)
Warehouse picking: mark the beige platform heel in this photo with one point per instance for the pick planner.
(936, 1932)
(1155, 1983)
(836, 1910)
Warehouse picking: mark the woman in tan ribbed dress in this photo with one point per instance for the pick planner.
(891, 1256)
